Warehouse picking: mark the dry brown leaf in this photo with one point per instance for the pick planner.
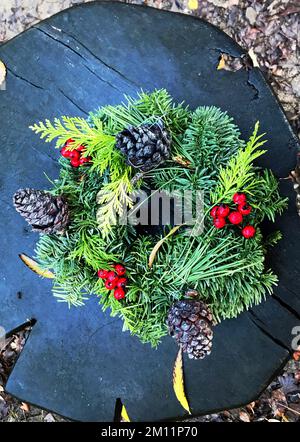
(181, 160)
(244, 416)
(159, 244)
(278, 402)
(25, 407)
(250, 407)
(33, 265)
(178, 382)
(251, 15)
(2, 72)
(296, 355)
(253, 57)
(224, 3)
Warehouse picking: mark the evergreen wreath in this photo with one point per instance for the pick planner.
(166, 279)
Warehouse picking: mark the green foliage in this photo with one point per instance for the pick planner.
(239, 174)
(228, 271)
(208, 142)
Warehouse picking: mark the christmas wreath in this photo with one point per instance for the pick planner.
(165, 278)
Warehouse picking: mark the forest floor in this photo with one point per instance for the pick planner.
(270, 31)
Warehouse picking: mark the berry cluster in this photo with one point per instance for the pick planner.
(114, 280)
(235, 216)
(75, 156)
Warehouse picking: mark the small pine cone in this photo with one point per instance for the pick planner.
(190, 324)
(145, 146)
(44, 212)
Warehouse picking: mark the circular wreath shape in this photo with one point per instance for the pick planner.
(177, 278)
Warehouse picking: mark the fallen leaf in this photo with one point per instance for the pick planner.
(159, 244)
(33, 265)
(222, 63)
(229, 63)
(1, 388)
(253, 57)
(178, 382)
(296, 355)
(244, 416)
(251, 15)
(25, 407)
(224, 3)
(2, 72)
(124, 414)
(250, 407)
(278, 402)
(49, 418)
(193, 4)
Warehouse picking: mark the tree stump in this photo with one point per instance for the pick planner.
(78, 362)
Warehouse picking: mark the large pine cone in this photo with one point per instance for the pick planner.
(146, 146)
(190, 323)
(43, 211)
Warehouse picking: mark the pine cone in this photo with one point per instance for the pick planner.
(44, 212)
(190, 323)
(146, 146)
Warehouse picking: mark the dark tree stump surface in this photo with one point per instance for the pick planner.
(78, 362)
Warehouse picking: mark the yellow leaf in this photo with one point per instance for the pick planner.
(124, 414)
(221, 64)
(193, 4)
(253, 57)
(33, 265)
(159, 244)
(2, 72)
(178, 382)
(182, 161)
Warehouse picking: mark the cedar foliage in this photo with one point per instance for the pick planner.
(227, 270)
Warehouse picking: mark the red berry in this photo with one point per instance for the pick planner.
(75, 163)
(65, 153)
(121, 283)
(111, 276)
(239, 198)
(110, 284)
(235, 217)
(102, 273)
(81, 148)
(248, 232)
(74, 155)
(244, 209)
(214, 211)
(119, 293)
(120, 270)
(223, 211)
(84, 160)
(69, 141)
(219, 223)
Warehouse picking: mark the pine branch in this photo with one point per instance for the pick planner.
(114, 198)
(72, 127)
(239, 174)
